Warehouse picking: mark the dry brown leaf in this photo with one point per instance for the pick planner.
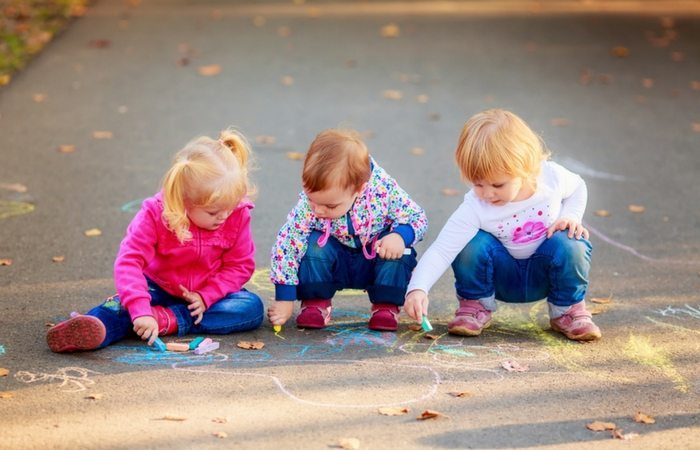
(92, 232)
(248, 345)
(284, 31)
(640, 417)
(3, 372)
(102, 135)
(265, 140)
(15, 187)
(601, 426)
(211, 70)
(602, 301)
(677, 56)
(5, 262)
(349, 443)
(636, 208)
(512, 365)
(94, 397)
(422, 98)
(618, 434)
(415, 327)
(66, 148)
(648, 83)
(287, 80)
(100, 43)
(394, 411)
(6, 395)
(418, 151)
(220, 434)
(49, 324)
(392, 94)
(432, 337)
(172, 418)
(620, 51)
(259, 21)
(4, 79)
(461, 394)
(560, 122)
(219, 420)
(390, 30)
(449, 192)
(695, 85)
(696, 127)
(602, 213)
(58, 259)
(39, 97)
(430, 414)
(295, 156)
(313, 12)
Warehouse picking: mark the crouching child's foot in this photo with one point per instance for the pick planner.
(385, 317)
(576, 324)
(470, 319)
(314, 314)
(76, 334)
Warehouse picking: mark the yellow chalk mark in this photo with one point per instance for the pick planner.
(641, 350)
(10, 208)
(261, 282)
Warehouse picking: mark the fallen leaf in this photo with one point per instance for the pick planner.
(284, 32)
(5, 262)
(49, 324)
(102, 134)
(602, 301)
(449, 192)
(696, 127)
(349, 443)
(677, 56)
(418, 151)
(6, 395)
(620, 51)
(66, 148)
(597, 310)
(39, 97)
(394, 411)
(390, 30)
(219, 420)
(648, 83)
(5, 79)
(265, 140)
(422, 98)
(287, 80)
(313, 12)
(220, 434)
(512, 365)
(92, 232)
(172, 418)
(640, 417)
(585, 77)
(259, 21)
(560, 122)
(461, 394)
(602, 213)
(636, 208)
(16, 187)
(601, 426)
(296, 156)
(247, 345)
(3, 372)
(94, 397)
(618, 434)
(58, 259)
(392, 94)
(695, 85)
(605, 78)
(210, 70)
(432, 337)
(415, 327)
(430, 414)
(100, 43)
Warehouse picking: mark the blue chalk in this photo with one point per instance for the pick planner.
(159, 345)
(425, 324)
(195, 342)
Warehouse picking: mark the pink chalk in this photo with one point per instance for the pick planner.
(211, 346)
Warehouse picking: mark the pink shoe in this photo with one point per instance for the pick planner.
(77, 333)
(385, 317)
(470, 319)
(314, 314)
(576, 324)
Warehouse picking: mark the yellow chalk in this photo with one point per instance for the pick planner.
(277, 328)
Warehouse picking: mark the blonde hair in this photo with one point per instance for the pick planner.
(337, 157)
(206, 172)
(496, 142)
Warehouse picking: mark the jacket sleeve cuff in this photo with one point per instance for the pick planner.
(407, 233)
(140, 308)
(285, 292)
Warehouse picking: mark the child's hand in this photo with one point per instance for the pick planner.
(416, 305)
(574, 227)
(147, 328)
(196, 304)
(391, 246)
(280, 312)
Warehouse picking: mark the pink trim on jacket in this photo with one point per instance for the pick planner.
(212, 263)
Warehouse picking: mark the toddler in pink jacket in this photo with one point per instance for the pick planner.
(185, 257)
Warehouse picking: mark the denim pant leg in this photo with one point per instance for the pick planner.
(391, 277)
(319, 268)
(115, 318)
(238, 311)
(568, 261)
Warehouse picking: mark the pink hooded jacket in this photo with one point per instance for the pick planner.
(212, 263)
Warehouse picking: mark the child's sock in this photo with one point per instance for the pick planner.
(167, 322)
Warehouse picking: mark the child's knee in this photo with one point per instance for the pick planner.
(571, 248)
(475, 252)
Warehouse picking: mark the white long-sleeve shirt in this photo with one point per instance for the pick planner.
(521, 226)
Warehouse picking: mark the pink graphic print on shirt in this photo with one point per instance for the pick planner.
(530, 231)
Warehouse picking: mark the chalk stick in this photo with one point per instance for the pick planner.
(277, 328)
(206, 341)
(195, 342)
(206, 348)
(425, 324)
(159, 345)
(177, 346)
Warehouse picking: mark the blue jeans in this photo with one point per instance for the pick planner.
(557, 270)
(238, 311)
(325, 270)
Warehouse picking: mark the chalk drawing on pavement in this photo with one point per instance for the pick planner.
(146, 356)
(132, 206)
(76, 378)
(2, 349)
(579, 167)
(10, 208)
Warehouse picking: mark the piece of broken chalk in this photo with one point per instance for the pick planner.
(177, 346)
(159, 345)
(204, 348)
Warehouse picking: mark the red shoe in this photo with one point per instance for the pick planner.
(314, 314)
(576, 324)
(470, 319)
(75, 334)
(385, 317)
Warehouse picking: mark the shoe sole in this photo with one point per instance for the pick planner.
(462, 331)
(382, 328)
(590, 336)
(76, 334)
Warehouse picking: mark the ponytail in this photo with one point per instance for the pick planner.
(238, 145)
